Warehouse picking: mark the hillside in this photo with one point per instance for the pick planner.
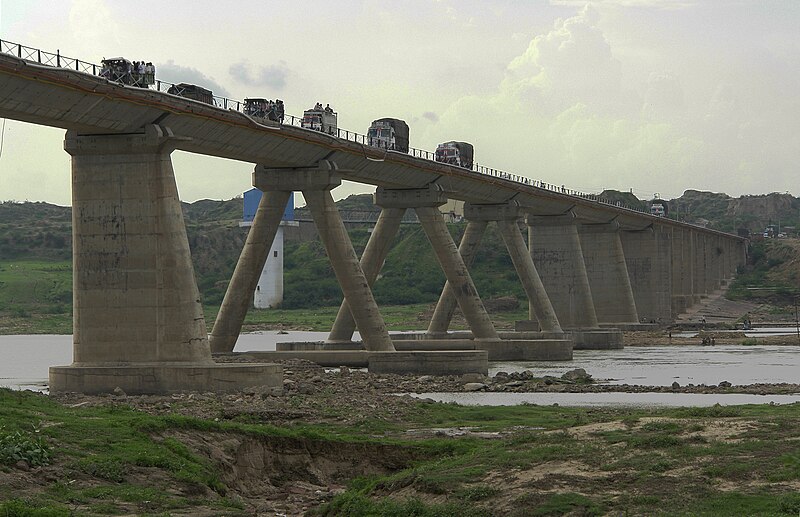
(35, 252)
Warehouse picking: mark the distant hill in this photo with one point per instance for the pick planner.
(42, 232)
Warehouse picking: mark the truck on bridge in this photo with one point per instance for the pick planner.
(192, 91)
(659, 207)
(389, 133)
(320, 119)
(123, 71)
(264, 108)
(455, 153)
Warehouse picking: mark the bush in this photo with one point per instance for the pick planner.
(17, 446)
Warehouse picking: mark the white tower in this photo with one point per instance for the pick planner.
(269, 291)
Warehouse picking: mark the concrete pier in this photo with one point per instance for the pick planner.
(556, 250)
(447, 304)
(371, 263)
(607, 272)
(316, 184)
(138, 322)
(251, 262)
(425, 203)
(648, 257)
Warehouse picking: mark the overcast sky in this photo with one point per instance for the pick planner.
(658, 96)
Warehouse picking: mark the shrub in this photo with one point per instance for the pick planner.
(17, 446)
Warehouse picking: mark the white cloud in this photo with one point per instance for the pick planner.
(272, 76)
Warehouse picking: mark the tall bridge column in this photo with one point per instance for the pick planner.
(608, 274)
(506, 217)
(316, 184)
(372, 261)
(648, 257)
(138, 322)
(682, 270)
(700, 247)
(242, 286)
(556, 250)
(426, 202)
(447, 304)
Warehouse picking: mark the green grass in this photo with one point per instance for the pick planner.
(35, 297)
(114, 446)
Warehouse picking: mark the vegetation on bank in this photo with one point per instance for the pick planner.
(36, 277)
(545, 460)
(772, 273)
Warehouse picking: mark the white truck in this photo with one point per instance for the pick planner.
(320, 119)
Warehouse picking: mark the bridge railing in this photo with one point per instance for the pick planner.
(60, 61)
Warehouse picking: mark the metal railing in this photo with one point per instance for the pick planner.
(60, 61)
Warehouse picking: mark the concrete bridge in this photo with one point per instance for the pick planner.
(590, 267)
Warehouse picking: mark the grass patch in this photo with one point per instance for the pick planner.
(358, 504)
(18, 446)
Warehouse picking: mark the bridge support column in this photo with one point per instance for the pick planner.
(316, 184)
(699, 245)
(239, 294)
(648, 256)
(426, 202)
(506, 217)
(682, 271)
(446, 307)
(608, 274)
(556, 250)
(372, 261)
(138, 322)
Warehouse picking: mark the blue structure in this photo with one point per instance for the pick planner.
(253, 197)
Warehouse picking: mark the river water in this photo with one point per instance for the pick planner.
(24, 363)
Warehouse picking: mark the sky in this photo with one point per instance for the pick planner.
(648, 96)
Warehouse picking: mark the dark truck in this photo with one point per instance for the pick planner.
(455, 153)
(389, 133)
(191, 91)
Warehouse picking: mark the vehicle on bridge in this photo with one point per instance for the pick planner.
(123, 71)
(659, 207)
(455, 153)
(192, 91)
(389, 133)
(264, 108)
(320, 119)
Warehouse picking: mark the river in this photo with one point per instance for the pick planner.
(26, 359)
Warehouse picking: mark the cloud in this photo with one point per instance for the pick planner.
(173, 73)
(653, 4)
(272, 76)
(563, 114)
(433, 117)
(92, 21)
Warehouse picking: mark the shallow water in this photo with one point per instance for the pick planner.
(663, 365)
(756, 332)
(26, 360)
(609, 399)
